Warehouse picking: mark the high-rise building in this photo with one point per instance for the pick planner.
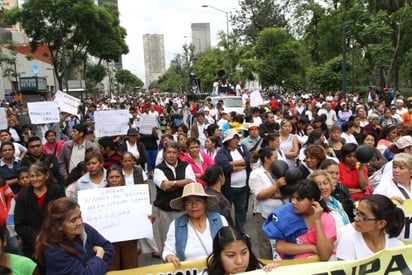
(201, 37)
(154, 57)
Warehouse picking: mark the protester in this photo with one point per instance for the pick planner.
(52, 146)
(378, 222)
(352, 174)
(266, 196)
(31, 205)
(232, 253)
(288, 143)
(399, 189)
(197, 159)
(133, 145)
(66, 245)
(234, 159)
(304, 227)
(190, 236)
(19, 150)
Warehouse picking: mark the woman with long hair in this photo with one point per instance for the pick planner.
(378, 222)
(388, 137)
(66, 245)
(232, 253)
(288, 142)
(212, 144)
(31, 205)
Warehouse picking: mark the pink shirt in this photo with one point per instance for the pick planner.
(206, 161)
(329, 229)
(53, 149)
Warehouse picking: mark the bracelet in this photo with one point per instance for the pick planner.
(174, 184)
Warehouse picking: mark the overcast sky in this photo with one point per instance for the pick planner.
(172, 18)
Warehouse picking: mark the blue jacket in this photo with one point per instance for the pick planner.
(59, 261)
(215, 223)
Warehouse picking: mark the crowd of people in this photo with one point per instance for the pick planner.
(204, 163)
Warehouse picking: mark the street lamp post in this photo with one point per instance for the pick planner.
(227, 35)
(198, 39)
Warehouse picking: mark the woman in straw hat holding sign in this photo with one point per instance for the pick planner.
(190, 236)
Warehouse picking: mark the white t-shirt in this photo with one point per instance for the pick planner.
(391, 189)
(352, 246)
(129, 179)
(259, 180)
(238, 179)
(133, 149)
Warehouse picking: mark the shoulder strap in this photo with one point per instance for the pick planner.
(256, 145)
(406, 195)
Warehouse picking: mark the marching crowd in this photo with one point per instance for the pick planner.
(205, 162)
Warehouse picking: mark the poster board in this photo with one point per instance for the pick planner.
(67, 103)
(146, 124)
(43, 112)
(111, 123)
(3, 118)
(118, 213)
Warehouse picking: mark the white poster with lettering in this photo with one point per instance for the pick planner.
(43, 112)
(111, 123)
(3, 118)
(146, 124)
(67, 103)
(118, 213)
(256, 99)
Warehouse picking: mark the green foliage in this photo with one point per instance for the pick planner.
(327, 77)
(95, 73)
(128, 80)
(277, 55)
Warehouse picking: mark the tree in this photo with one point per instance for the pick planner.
(277, 55)
(128, 80)
(254, 16)
(71, 29)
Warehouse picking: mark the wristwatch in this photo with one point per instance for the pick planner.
(174, 184)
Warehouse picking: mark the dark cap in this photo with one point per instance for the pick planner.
(132, 132)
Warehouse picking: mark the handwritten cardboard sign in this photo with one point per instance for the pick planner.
(67, 103)
(118, 213)
(111, 122)
(43, 112)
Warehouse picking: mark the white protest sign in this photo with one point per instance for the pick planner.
(3, 118)
(255, 99)
(118, 213)
(111, 122)
(67, 103)
(43, 112)
(146, 124)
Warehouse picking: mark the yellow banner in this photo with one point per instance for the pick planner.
(391, 261)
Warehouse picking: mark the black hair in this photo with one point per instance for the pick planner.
(184, 128)
(386, 130)
(211, 174)
(308, 189)
(384, 209)
(225, 236)
(266, 152)
(314, 136)
(48, 132)
(33, 138)
(76, 172)
(346, 125)
(268, 138)
(347, 149)
(211, 128)
(107, 142)
(81, 127)
(326, 163)
(7, 143)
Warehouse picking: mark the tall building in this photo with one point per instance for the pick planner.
(154, 57)
(201, 37)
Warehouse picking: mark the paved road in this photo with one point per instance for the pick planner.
(146, 259)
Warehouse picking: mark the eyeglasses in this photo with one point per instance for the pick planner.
(364, 218)
(194, 202)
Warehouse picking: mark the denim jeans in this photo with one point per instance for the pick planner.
(151, 159)
(240, 200)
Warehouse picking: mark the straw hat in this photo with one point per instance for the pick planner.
(192, 189)
(230, 134)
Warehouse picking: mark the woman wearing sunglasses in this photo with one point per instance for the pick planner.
(378, 222)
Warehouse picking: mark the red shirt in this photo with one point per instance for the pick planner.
(350, 178)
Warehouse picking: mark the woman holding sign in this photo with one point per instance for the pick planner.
(125, 255)
(66, 245)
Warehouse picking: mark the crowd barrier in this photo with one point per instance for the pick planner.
(389, 261)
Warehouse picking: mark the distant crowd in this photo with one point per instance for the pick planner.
(205, 162)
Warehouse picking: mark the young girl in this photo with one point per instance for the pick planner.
(304, 227)
(125, 255)
(232, 253)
